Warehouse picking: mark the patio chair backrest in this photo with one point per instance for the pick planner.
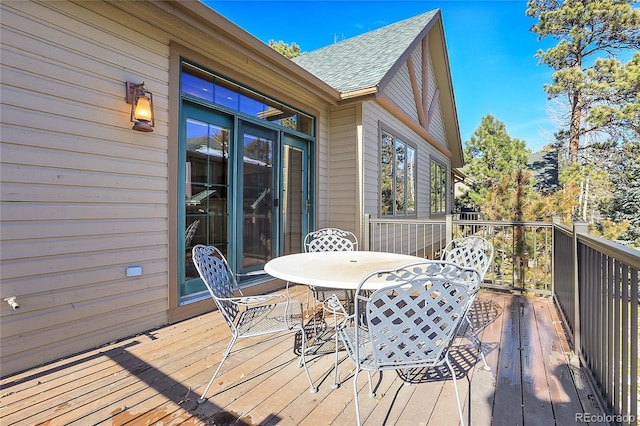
(471, 252)
(330, 239)
(219, 279)
(413, 319)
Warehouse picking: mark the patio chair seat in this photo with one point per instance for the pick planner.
(269, 318)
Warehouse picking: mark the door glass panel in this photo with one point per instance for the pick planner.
(206, 191)
(257, 203)
(294, 199)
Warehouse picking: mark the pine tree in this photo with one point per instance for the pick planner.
(491, 154)
(584, 29)
(289, 51)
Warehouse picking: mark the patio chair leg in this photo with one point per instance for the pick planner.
(335, 384)
(455, 386)
(372, 394)
(355, 395)
(203, 398)
(303, 336)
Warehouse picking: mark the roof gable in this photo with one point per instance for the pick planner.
(363, 61)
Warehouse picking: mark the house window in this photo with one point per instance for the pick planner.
(218, 90)
(438, 188)
(398, 177)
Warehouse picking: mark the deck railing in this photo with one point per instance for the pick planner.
(522, 250)
(602, 315)
(593, 281)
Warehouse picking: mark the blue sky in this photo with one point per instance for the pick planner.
(491, 50)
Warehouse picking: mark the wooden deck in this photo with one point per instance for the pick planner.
(157, 377)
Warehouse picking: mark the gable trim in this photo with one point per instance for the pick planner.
(416, 92)
(425, 79)
(432, 106)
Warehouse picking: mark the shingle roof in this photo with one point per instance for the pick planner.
(361, 62)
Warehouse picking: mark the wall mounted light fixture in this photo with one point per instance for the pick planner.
(141, 101)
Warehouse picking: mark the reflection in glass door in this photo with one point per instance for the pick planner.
(295, 215)
(205, 191)
(258, 188)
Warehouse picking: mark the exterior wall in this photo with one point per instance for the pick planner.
(321, 187)
(436, 124)
(400, 92)
(343, 171)
(83, 196)
(374, 118)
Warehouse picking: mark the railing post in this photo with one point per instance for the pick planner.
(366, 226)
(578, 227)
(449, 228)
(556, 220)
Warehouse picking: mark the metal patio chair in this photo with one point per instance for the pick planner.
(410, 322)
(329, 239)
(471, 252)
(246, 316)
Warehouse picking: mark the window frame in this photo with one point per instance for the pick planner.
(397, 137)
(443, 199)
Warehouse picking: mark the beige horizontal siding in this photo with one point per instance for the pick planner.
(343, 169)
(82, 196)
(436, 125)
(400, 92)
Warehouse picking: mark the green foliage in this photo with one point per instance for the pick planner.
(615, 91)
(491, 155)
(289, 51)
(585, 29)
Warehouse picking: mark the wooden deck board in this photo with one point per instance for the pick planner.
(508, 391)
(157, 377)
(535, 387)
(482, 391)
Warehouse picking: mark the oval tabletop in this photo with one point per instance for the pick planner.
(335, 269)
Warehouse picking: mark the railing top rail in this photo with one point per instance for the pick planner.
(401, 220)
(503, 223)
(463, 222)
(564, 228)
(626, 255)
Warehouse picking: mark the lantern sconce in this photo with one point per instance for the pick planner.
(141, 101)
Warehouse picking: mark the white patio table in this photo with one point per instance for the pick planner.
(335, 269)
